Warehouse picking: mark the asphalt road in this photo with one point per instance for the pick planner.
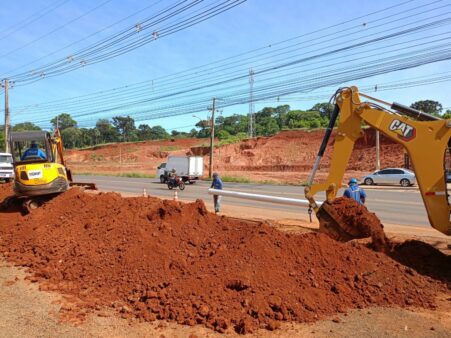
(392, 205)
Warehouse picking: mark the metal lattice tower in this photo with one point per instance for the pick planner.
(251, 129)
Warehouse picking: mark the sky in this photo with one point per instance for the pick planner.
(251, 25)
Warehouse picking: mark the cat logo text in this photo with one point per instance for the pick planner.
(404, 131)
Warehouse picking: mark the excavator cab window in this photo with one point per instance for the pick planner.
(30, 147)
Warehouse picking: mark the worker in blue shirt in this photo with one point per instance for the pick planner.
(33, 153)
(355, 192)
(217, 184)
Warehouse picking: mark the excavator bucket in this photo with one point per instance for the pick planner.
(344, 219)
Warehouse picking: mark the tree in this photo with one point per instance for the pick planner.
(144, 132)
(428, 106)
(159, 133)
(324, 108)
(281, 114)
(447, 114)
(24, 126)
(223, 134)
(70, 137)
(125, 125)
(63, 121)
(107, 133)
(193, 133)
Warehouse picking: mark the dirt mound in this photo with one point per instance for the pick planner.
(150, 258)
(424, 258)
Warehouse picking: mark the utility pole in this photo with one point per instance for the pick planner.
(212, 137)
(378, 151)
(7, 117)
(251, 129)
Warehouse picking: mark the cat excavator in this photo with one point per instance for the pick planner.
(40, 169)
(426, 139)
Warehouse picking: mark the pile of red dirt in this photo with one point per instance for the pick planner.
(149, 258)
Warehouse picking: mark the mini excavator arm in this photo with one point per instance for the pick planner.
(425, 141)
(58, 151)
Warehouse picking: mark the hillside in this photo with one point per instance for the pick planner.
(286, 157)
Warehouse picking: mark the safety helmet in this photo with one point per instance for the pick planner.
(353, 181)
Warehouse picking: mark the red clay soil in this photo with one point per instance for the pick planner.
(346, 219)
(148, 258)
(291, 152)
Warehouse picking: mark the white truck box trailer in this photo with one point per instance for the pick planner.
(189, 168)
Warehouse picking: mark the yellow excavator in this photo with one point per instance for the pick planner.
(426, 139)
(40, 168)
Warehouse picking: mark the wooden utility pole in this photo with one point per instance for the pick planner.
(212, 137)
(378, 151)
(7, 117)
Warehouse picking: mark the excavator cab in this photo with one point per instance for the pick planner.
(424, 137)
(37, 169)
(40, 169)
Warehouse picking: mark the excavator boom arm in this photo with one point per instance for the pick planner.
(426, 142)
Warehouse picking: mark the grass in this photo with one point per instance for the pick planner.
(243, 179)
(236, 179)
(129, 174)
(169, 148)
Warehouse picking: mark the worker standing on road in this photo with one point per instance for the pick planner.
(217, 184)
(355, 192)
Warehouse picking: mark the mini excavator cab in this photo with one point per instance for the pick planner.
(37, 168)
(425, 138)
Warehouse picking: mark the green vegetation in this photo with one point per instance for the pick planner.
(231, 129)
(169, 148)
(128, 174)
(236, 179)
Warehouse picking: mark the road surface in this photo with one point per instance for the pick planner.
(393, 206)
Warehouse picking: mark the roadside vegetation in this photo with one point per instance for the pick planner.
(230, 129)
(128, 174)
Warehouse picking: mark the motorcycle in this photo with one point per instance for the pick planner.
(176, 182)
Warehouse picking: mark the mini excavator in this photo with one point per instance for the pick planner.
(426, 139)
(41, 171)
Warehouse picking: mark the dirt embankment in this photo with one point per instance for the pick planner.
(148, 258)
(290, 152)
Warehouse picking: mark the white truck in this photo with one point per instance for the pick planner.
(6, 167)
(189, 168)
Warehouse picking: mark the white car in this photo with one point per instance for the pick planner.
(6, 167)
(394, 176)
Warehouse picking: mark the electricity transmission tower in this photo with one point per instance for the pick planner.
(251, 129)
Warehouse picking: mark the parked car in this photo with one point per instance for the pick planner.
(6, 167)
(189, 168)
(396, 176)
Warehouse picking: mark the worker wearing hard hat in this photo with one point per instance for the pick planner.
(33, 153)
(355, 192)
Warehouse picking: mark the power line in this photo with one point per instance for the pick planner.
(54, 30)
(127, 40)
(178, 79)
(32, 18)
